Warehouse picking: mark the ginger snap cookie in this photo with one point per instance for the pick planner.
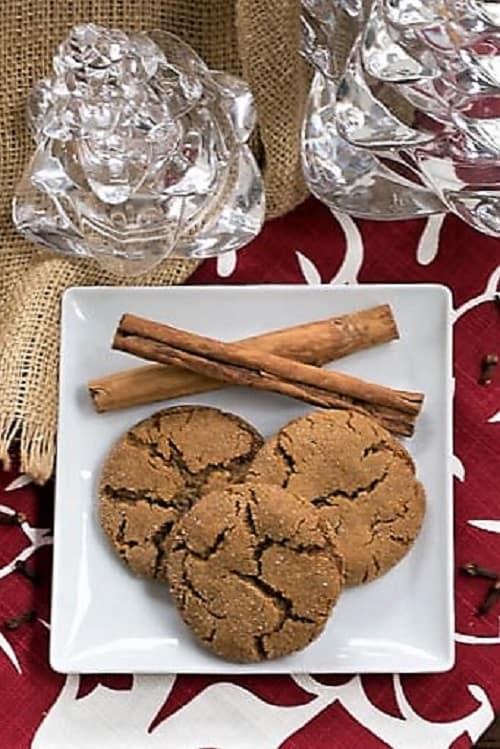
(252, 572)
(158, 470)
(359, 478)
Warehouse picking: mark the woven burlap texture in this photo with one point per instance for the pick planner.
(257, 39)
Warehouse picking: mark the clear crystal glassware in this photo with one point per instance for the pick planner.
(409, 125)
(141, 153)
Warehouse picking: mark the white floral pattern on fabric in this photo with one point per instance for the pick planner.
(226, 264)
(414, 731)
(353, 258)
(473, 640)
(458, 468)
(237, 718)
(428, 245)
(18, 483)
(355, 251)
(493, 526)
(8, 650)
(486, 296)
(309, 270)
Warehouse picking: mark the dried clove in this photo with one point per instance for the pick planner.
(492, 596)
(7, 518)
(474, 570)
(25, 571)
(18, 621)
(488, 366)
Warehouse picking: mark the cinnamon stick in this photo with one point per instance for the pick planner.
(247, 365)
(316, 342)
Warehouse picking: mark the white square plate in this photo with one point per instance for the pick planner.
(106, 620)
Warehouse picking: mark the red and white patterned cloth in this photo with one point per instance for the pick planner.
(45, 710)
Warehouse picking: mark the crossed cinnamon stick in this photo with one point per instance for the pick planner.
(316, 342)
(245, 364)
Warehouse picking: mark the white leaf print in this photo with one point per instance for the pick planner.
(237, 717)
(428, 245)
(458, 468)
(487, 295)
(475, 639)
(18, 483)
(37, 536)
(7, 648)
(414, 732)
(309, 270)
(223, 715)
(353, 259)
(226, 264)
(495, 419)
(105, 718)
(493, 526)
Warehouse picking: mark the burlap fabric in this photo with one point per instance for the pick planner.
(257, 39)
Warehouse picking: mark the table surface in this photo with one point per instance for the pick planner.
(40, 709)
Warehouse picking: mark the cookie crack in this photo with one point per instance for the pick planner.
(286, 543)
(150, 446)
(290, 464)
(378, 521)
(324, 500)
(129, 544)
(194, 480)
(349, 425)
(121, 494)
(367, 575)
(158, 540)
(261, 544)
(120, 534)
(335, 527)
(309, 549)
(377, 447)
(211, 636)
(250, 521)
(283, 603)
(191, 587)
(382, 446)
(260, 647)
(259, 550)
(301, 548)
(136, 441)
(210, 550)
(402, 540)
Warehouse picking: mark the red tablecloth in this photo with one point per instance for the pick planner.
(45, 710)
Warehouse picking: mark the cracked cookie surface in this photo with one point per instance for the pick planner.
(159, 469)
(253, 572)
(360, 480)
